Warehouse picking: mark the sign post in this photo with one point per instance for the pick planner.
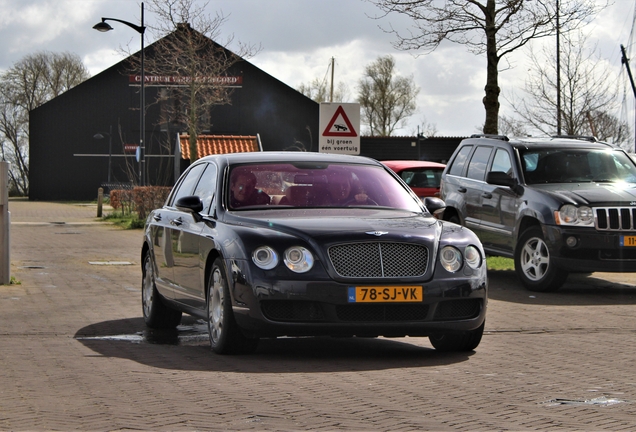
(5, 223)
(339, 127)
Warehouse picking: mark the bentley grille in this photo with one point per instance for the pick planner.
(379, 260)
(615, 218)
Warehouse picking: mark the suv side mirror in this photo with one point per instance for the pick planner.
(500, 178)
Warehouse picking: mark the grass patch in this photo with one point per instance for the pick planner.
(13, 281)
(500, 263)
(126, 221)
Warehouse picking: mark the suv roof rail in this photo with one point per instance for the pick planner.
(491, 136)
(589, 138)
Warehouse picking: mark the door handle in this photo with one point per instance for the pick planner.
(177, 222)
(462, 190)
(487, 195)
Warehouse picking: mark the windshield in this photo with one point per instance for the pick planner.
(310, 184)
(551, 165)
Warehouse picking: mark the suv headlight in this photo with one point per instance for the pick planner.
(575, 216)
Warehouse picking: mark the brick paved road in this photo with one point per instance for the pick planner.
(75, 355)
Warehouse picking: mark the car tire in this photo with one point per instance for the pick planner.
(458, 341)
(454, 219)
(156, 314)
(534, 265)
(225, 335)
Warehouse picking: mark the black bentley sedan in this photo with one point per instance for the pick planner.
(308, 244)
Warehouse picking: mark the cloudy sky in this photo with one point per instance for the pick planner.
(298, 38)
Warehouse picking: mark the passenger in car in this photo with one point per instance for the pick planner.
(243, 191)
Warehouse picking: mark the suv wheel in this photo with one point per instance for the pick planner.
(533, 263)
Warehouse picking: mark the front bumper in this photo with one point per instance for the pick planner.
(593, 251)
(321, 308)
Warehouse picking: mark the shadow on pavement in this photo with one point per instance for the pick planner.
(579, 290)
(188, 348)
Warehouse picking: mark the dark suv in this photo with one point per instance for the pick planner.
(555, 205)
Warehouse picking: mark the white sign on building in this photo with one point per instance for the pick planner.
(339, 127)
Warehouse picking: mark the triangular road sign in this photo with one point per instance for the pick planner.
(339, 129)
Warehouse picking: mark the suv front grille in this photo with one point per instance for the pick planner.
(379, 260)
(615, 218)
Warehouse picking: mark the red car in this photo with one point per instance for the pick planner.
(423, 177)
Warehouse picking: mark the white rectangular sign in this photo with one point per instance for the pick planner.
(339, 127)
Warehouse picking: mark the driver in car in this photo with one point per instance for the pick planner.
(243, 191)
(345, 191)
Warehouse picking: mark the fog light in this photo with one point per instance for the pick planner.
(571, 241)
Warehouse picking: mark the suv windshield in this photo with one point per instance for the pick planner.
(550, 165)
(272, 185)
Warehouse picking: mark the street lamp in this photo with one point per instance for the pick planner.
(104, 27)
(110, 147)
(558, 69)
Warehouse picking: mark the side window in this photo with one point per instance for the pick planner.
(206, 187)
(186, 186)
(478, 163)
(407, 176)
(460, 160)
(501, 162)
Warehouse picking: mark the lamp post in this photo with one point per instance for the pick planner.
(558, 69)
(104, 27)
(110, 147)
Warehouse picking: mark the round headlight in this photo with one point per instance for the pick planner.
(298, 259)
(265, 257)
(568, 214)
(473, 257)
(572, 215)
(450, 258)
(586, 215)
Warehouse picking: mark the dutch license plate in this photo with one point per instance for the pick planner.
(627, 241)
(367, 294)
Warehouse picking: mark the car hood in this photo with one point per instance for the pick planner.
(593, 193)
(332, 226)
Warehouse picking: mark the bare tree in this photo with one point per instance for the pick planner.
(586, 93)
(510, 126)
(426, 128)
(486, 27)
(196, 66)
(32, 81)
(386, 99)
(607, 127)
(318, 91)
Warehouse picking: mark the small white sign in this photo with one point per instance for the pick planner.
(339, 128)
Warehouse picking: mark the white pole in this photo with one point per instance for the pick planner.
(5, 223)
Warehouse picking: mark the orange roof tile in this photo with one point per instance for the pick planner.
(219, 144)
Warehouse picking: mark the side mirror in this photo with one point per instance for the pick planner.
(435, 205)
(500, 178)
(191, 204)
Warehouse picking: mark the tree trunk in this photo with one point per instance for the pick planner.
(491, 99)
(193, 132)
(194, 150)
